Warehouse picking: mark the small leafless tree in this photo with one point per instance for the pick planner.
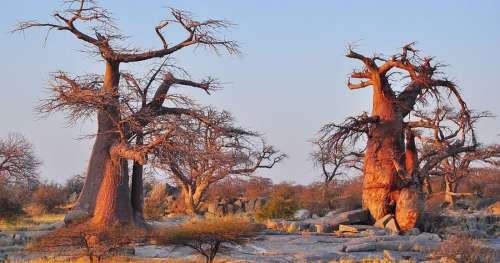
(18, 162)
(125, 125)
(207, 151)
(208, 236)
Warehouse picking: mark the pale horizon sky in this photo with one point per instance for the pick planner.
(289, 81)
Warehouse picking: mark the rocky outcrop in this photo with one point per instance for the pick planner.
(234, 206)
(479, 224)
(302, 214)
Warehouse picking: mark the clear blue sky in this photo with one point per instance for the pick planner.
(290, 80)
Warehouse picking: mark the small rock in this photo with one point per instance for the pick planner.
(494, 208)
(392, 227)
(75, 216)
(348, 228)
(302, 214)
(293, 227)
(354, 228)
(423, 237)
(361, 247)
(412, 232)
(402, 256)
(323, 228)
(331, 214)
(384, 220)
(314, 216)
(6, 241)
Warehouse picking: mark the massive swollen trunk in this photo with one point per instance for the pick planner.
(410, 202)
(105, 195)
(385, 144)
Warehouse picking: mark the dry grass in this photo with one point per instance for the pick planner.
(466, 250)
(28, 222)
(207, 236)
(107, 260)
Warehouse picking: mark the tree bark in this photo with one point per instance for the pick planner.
(384, 145)
(137, 193)
(113, 204)
(410, 201)
(105, 195)
(450, 190)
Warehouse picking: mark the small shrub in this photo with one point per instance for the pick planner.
(207, 236)
(465, 250)
(282, 203)
(49, 195)
(10, 207)
(35, 209)
(155, 203)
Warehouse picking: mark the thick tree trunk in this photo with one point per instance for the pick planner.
(384, 145)
(113, 204)
(105, 195)
(86, 201)
(137, 193)
(410, 201)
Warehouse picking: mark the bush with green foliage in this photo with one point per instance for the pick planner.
(282, 203)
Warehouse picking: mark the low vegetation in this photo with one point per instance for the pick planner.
(208, 236)
(466, 250)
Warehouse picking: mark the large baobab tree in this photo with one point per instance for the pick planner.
(205, 154)
(18, 162)
(402, 85)
(107, 173)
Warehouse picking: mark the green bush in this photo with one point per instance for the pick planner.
(282, 203)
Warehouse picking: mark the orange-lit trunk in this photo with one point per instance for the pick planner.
(385, 144)
(105, 195)
(410, 202)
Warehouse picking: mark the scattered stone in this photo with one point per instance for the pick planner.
(361, 247)
(348, 228)
(323, 228)
(392, 227)
(6, 241)
(331, 214)
(412, 232)
(494, 208)
(302, 214)
(75, 216)
(354, 228)
(293, 227)
(358, 216)
(399, 256)
(382, 221)
(328, 257)
(423, 237)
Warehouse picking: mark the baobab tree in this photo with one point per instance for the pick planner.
(208, 151)
(86, 96)
(18, 162)
(455, 167)
(402, 85)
